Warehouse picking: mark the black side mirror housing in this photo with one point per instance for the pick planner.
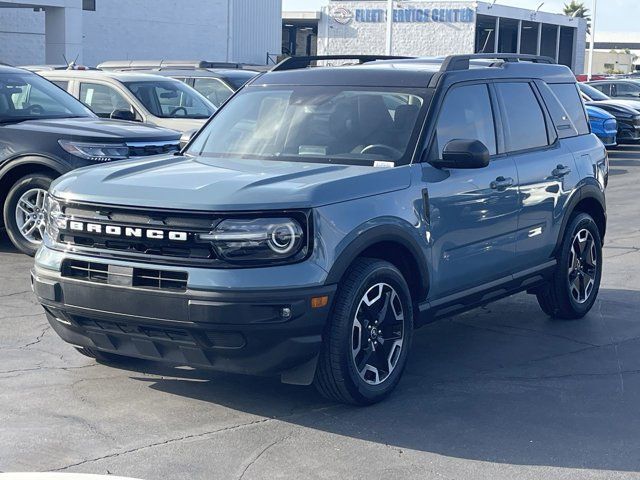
(186, 137)
(461, 153)
(123, 115)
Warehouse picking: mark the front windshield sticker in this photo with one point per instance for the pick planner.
(312, 150)
(383, 164)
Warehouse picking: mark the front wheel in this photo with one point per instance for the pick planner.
(576, 281)
(368, 338)
(24, 214)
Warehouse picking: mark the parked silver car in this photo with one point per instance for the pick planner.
(145, 98)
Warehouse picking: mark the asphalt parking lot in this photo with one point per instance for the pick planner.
(501, 392)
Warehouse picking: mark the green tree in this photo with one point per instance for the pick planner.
(577, 9)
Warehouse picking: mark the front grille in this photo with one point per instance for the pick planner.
(147, 149)
(123, 276)
(188, 251)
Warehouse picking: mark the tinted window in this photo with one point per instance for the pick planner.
(524, 121)
(592, 93)
(63, 84)
(567, 94)
(102, 99)
(603, 87)
(466, 114)
(627, 89)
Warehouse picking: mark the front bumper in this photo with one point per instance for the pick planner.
(232, 331)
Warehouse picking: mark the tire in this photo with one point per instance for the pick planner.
(36, 182)
(106, 357)
(563, 298)
(337, 376)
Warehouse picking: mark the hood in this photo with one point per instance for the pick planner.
(180, 124)
(96, 129)
(615, 107)
(215, 184)
(596, 113)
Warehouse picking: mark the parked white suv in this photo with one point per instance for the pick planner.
(139, 97)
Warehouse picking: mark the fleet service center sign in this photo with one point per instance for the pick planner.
(344, 16)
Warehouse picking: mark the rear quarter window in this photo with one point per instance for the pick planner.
(569, 97)
(524, 121)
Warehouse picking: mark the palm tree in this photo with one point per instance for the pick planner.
(577, 9)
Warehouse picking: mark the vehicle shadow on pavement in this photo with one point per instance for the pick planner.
(500, 384)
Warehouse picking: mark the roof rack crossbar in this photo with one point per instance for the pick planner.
(294, 63)
(462, 62)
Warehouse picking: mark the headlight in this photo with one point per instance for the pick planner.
(98, 152)
(54, 219)
(258, 240)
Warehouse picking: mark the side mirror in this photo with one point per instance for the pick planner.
(123, 115)
(186, 137)
(464, 154)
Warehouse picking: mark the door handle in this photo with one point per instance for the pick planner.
(561, 171)
(502, 183)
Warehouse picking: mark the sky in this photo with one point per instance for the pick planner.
(613, 15)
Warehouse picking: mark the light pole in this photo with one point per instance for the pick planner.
(593, 39)
(389, 26)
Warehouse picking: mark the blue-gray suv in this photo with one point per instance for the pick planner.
(324, 213)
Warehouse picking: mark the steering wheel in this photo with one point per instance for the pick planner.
(35, 108)
(176, 110)
(380, 149)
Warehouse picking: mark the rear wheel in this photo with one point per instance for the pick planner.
(576, 281)
(24, 214)
(369, 335)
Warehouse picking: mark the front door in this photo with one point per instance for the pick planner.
(473, 213)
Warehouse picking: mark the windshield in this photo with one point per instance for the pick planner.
(592, 93)
(327, 124)
(171, 99)
(25, 96)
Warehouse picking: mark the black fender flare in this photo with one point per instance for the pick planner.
(383, 233)
(52, 163)
(588, 190)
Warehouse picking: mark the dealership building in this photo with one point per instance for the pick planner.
(48, 31)
(428, 28)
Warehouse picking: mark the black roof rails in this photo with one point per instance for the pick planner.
(165, 65)
(294, 63)
(462, 62)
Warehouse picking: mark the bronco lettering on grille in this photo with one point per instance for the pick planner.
(127, 232)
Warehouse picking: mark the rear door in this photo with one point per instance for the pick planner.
(546, 170)
(473, 213)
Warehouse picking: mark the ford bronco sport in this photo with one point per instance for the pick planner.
(324, 213)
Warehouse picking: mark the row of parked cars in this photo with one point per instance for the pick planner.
(614, 109)
(119, 111)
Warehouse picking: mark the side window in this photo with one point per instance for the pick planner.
(466, 114)
(102, 99)
(627, 90)
(524, 121)
(212, 88)
(569, 97)
(603, 87)
(63, 84)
